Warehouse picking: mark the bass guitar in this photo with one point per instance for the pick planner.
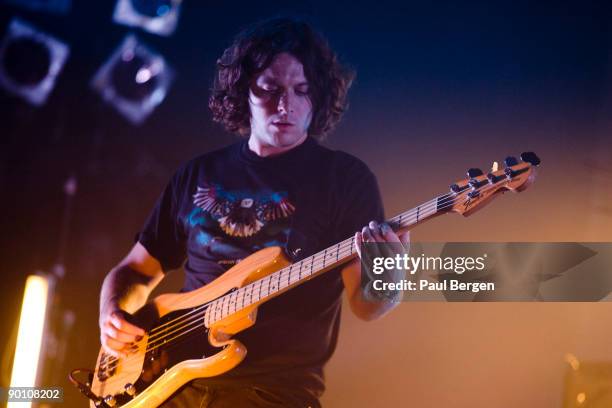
(172, 352)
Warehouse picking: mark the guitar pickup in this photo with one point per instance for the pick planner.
(105, 371)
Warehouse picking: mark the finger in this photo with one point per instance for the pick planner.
(117, 334)
(375, 231)
(125, 326)
(366, 235)
(358, 241)
(113, 347)
(388, 233)
(112, 352)
(405, 240)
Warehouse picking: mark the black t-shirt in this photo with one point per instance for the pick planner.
(224, 205)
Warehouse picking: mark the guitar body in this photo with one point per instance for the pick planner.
(153, 372)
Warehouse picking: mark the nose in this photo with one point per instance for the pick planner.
(284, 104)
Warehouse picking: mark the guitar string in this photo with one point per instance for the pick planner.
(152, 347)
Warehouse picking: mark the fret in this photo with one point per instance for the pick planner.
(281, 279)
(324, 259)
(258, 291)
(249, 292)
(245, 295)
(207, 317)
(285, 284)
(291, 273)
(224, 306)
(232, 303)
(267, 279)
(217, 310)
(240, 304)
(273, 286)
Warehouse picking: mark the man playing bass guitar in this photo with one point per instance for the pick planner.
(281, 87)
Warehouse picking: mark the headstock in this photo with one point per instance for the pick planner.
(471, 194)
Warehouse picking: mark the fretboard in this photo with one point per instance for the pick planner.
(299, 272)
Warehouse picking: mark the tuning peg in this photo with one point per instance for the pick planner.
(531, 158)
(510, 161)
(493, 179)
(455, 188)
(473, 172)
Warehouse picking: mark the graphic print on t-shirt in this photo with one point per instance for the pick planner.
(234, 223)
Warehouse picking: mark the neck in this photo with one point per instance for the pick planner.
(299, 272)
(263, 149)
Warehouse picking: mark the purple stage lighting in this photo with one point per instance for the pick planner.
(155, 16)
(134, 80)
(30, 62)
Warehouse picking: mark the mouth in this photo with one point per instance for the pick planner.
(282, 124)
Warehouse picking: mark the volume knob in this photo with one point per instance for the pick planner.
(110, 401)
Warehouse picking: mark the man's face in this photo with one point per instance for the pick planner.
(281, 109)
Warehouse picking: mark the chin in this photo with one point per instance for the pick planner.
(283, 139)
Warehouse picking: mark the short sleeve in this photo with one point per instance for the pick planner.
(162, 234)
(359, 198)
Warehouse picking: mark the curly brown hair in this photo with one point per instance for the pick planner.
(253, 50)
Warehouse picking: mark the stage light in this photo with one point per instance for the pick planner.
(155, 16)
(30, 62)
(30, 334)
(134, 80)
(51, 6)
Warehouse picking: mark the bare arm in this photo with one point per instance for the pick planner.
(124, 290)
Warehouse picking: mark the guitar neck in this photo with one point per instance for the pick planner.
(299, 272)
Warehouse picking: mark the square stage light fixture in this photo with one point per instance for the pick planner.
(155, 16)
(50, 6)
(30, 62)
(134, 80)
